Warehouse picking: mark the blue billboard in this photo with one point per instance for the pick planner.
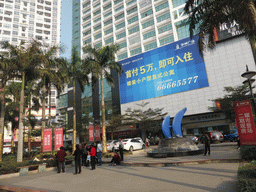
(173, 68)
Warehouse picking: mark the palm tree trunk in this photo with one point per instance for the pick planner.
(12, 142)
(74, 115)
(2, 123)
(20, 139)
(43, 119)
(104, 139)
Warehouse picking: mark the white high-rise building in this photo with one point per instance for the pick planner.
(27, 19)
(136, 25)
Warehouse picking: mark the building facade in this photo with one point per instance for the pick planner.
(142, 27)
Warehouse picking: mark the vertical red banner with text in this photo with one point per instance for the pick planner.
(97, 132)
(47, 140)
(245, 123)
(91, 133)
(58, 142)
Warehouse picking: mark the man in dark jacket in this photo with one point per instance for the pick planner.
(207, 142)
(60, 156)
(92, 154)
(77, 155)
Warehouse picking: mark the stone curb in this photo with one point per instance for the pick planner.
(184, 163)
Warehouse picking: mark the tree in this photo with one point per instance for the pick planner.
(7, 73)
(114, 122)
(238, 93)
(210, 14)
(144, 118)
(100, 64)
(27, 59)
(75, 72)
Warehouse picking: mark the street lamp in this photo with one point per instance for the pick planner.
(248, 75)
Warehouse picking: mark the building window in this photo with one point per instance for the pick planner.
(97, 12)
(150, 34)
(136, 51)
(119, 8)
(177, 3)
(119, 16)
(107, 7)
(97, 27)
(110, 13)
(132, 10)
(150, 46)
(110, 40)
(109, 31)
(147, 13)
(166, 40)
(182, 29)
(163, 17)
(131, 2)
(132, 20)
(134, 30)
(165, 28)
(122, 56)
(162, 6)
(122, 45)
(98, 36)
(121, 35)
(98, 45)
(121, 25)
(147, 24)
(107, 22)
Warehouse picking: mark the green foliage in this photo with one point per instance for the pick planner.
(248, 152)
(209, 14)
(247, 177)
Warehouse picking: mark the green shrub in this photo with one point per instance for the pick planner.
(247, 177)
(248, 152)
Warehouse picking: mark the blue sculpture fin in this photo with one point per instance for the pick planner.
(166, 127)
(176, 124)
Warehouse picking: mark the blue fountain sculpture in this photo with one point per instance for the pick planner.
(175, 145)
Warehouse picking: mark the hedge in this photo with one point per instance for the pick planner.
(247, 177)
(248, 152)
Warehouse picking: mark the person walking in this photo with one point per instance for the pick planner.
(99, 152)
(77, 155)
(92, 154)
(206, 144)
(60, 157)
(121, 149)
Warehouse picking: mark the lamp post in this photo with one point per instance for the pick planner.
(248, 75)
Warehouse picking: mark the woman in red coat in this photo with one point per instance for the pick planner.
(92, 154)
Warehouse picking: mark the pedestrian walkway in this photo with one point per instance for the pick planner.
(224, 152)
(193, 178)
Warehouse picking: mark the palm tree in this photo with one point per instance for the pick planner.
(49, 76)
(27, 59)
(101, 64)
(209, 14)
(7, 73)
(75, 72)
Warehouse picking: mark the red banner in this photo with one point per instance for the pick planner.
(47, 140)
(58, 141)
(97, 132)
(245, 123)
(91, 133)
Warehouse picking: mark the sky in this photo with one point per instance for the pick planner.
(66, 27)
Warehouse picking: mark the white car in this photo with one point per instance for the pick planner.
(133, 144)
(111, 145)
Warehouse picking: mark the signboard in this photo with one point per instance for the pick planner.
(245, 123)
(47, 140)
(226, 31)
(173, 68)
(97, 132)
(58, 142)
(91, 133)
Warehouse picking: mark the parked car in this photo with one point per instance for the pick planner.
(200, 138)
(193, 138)
(215, 136)
(133, 144)
(230, 135)
(110, 145)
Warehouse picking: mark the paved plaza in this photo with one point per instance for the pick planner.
(132, 176)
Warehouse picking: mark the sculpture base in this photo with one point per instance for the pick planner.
(175, 147)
